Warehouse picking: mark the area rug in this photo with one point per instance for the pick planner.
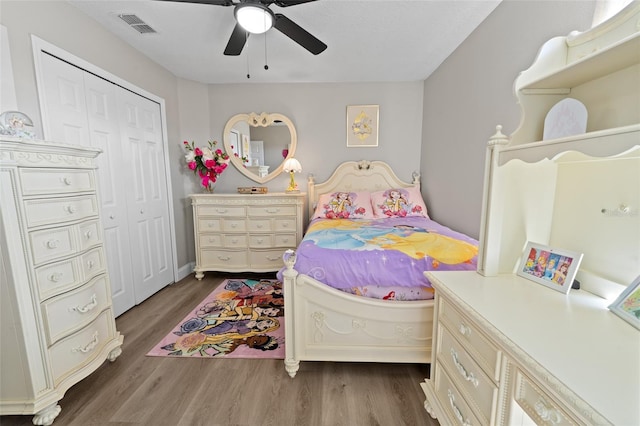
(241, 318)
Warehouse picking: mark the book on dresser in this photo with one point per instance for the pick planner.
(56, 310)
(245, 232)
(508, 351)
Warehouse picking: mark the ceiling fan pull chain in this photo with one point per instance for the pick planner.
(266, 67)
(247, 42)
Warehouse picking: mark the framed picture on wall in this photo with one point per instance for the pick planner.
(627, 305)
(362, 126)
(551, 267)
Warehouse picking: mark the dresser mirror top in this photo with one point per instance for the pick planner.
(258, 144)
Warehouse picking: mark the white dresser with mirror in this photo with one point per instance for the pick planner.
(507, 350)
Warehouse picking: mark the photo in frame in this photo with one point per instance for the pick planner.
(551, 267)
(627, 305)
(362, 126)
(234, 140)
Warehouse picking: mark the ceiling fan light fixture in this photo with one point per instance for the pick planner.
(254, 17)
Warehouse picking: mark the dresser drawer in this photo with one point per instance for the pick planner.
(481, 349)
(468, 375)
(223, 258)
(266, 259)
(452, 401)
(222, 211)
(235, 240)
(270, 211)
(47, 211)
(50, 244)
(75, 309)
(93, 263)
(261, 240)
(261, 225)
(209, 225)
(210, 240)
(234, 225)
(57, 277)
(285, 240)
(538, 405)
(56, 181)
(75, 351)
(90, 234)
(285, 224)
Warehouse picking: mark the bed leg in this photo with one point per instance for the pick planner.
(292, 366)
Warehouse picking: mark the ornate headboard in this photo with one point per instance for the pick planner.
(356, 176)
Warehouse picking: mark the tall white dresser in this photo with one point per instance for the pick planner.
(245, 232)
(507, 350)
(56, 318)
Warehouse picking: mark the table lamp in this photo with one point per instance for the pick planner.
(291, 166)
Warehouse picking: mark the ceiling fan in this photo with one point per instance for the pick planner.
(255, 17)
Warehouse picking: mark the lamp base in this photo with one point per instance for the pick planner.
(292, 191)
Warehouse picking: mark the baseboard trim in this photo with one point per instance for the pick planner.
(186, 270)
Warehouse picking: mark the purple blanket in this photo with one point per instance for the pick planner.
(386, 252)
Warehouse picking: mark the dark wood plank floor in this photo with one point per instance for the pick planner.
(141, 390)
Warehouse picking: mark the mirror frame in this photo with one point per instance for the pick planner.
(258, 120)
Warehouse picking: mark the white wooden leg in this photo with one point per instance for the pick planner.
(46, 416)
(199, 275)
(292, 366)
(114, 354)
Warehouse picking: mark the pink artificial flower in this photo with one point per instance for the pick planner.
(198, 151)
(202, 173)
(218, 151)
(209, 164)
(218, 169)
(193, 165)
(205, 181)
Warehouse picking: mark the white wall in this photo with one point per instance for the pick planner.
(472, 92)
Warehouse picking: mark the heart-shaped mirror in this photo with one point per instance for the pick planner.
(258, 144)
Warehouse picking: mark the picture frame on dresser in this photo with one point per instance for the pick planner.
(627, 305)
(551, 267)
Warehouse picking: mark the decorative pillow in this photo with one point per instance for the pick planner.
(398, 202)
(344, 205)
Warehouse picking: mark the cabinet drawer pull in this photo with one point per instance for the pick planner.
(55, 277)
(260, 241)
(71, 209)
(53, 244)
(89, 346)
(234, 240)
(224, 258)
(234, 225)
(259, 226)
(547, 414)
(88, 234)
(272, 211)
(469, 377)
(456, 410)
(285, 240)
(285, 225)
(66, 180)
(464, 330)
(273, 258)
(86, 308)
(90, 264)
(221, 211)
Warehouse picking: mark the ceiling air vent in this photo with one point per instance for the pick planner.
(136, 23)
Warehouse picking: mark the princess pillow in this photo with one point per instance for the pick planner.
(344, 205)
(398, 202)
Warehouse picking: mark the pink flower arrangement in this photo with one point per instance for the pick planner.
(208, 162)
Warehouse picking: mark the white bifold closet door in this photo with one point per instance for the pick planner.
(81, 108)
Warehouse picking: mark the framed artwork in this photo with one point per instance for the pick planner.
(362, 126)
(627, 305)
(246, 146)
(234, 141)
(551, 267)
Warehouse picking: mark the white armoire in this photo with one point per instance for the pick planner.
(57, 323)
(507, 350)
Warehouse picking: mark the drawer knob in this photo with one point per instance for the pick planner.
(71, 209)
(547, 414)
(90, 264)
(456, 410)
(89, 346)
(273, 258)
(93, 302)
(221, 211)
(88, 234)
(66, 181)
(272, 211)
(53, 244)
(234, 225)
(234, 240)
(260, 240)
(464, 330)
(259, 226)
(469, 377)
(285, 240)
(224, 258)
(55, 277)
(285, 225)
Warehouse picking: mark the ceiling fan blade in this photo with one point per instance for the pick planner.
(236, 41)
(212, 2)
(287, 3)
(298, 34)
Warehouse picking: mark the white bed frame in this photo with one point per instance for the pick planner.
(325, 324)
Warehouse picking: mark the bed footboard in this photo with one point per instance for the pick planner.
(325, 324)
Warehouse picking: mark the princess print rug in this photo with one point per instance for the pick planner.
(241, 318)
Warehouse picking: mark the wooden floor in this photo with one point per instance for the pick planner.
(141, 390)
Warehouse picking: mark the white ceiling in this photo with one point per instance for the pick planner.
(368, 41)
